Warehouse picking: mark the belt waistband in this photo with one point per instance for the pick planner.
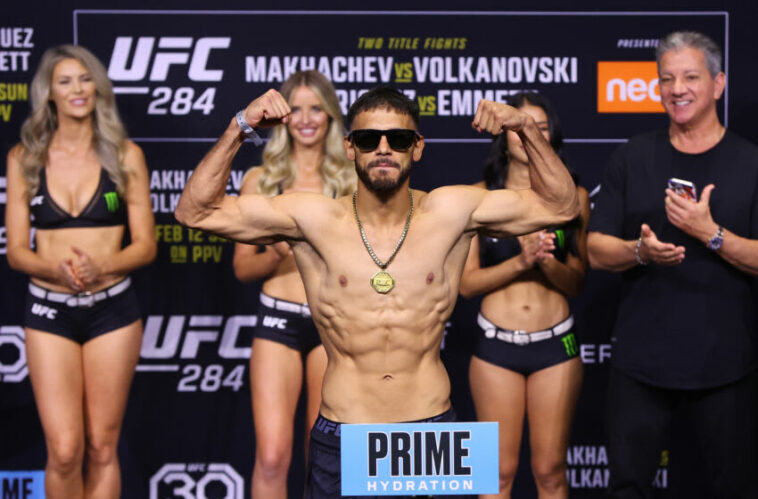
(86, 299)
(285, 306)
(328, 432)
(520, 337)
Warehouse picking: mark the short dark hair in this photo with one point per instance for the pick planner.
(385, 98)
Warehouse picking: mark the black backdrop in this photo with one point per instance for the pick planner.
(181, 74)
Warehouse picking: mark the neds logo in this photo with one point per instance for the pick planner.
(177, 54)
(628, 87)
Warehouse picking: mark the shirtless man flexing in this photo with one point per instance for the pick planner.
(381, 268)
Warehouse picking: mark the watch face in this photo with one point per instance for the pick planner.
(715, 242)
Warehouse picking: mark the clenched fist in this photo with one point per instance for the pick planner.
(268, 110)
(494, 117)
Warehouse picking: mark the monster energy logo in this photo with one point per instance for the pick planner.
(111, 199)
(569, 343)
(561, 237)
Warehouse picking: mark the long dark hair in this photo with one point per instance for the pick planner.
(496, 164)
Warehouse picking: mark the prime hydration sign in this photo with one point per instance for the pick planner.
(419, 458)
(22, 484)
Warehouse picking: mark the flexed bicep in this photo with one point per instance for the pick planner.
(512, 212)
(253, 219)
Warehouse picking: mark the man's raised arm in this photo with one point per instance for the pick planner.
(552, 198)
(204, 204)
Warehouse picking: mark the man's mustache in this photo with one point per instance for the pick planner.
(383, 162)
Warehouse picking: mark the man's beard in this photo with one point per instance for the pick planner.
(382, 184)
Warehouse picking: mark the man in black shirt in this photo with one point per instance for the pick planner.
(685, 332)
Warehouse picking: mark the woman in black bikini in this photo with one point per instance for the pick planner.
(83, 182)
(526, 357)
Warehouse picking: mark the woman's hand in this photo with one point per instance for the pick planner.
(531, 248)
(546, 247)
(68, 276)
(86, 269)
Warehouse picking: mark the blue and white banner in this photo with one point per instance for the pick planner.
(22, 484)
(425, 458)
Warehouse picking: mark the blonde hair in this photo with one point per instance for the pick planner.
(109, 137)
(337, 173)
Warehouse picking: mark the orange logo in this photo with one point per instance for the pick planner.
(628, 87)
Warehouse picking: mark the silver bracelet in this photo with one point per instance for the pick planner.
(247, 129)
(637, 252)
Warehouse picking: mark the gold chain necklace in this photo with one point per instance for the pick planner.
(382, 281)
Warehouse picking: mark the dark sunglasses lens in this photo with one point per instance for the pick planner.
(400, 140)
(366, 140)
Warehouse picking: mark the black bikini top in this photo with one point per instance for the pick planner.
(493, 250)
(106, 208)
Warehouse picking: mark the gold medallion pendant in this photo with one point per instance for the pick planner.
(382, 282)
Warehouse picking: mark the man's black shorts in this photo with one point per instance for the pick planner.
(324, 478)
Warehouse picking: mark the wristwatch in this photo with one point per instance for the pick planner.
(247, 129)
(715, 242)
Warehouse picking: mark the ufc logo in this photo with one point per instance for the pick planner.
(43, 310)
(274, 322)
(120, 68)
(161, 342)
(327, 427)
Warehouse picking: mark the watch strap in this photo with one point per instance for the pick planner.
(247, 129)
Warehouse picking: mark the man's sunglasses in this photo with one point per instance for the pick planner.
(368, 139)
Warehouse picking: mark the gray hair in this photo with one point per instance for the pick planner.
(679, 40)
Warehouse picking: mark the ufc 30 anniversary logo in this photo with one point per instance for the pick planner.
(137, 63)
(13, 367)
(196, 481)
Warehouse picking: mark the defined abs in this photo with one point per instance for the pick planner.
(376, 395)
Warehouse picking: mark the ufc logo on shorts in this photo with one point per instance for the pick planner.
(190, 481)
(43, 311)
(274, 322)
(13, 367)
(328, 427)
(172, 50)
